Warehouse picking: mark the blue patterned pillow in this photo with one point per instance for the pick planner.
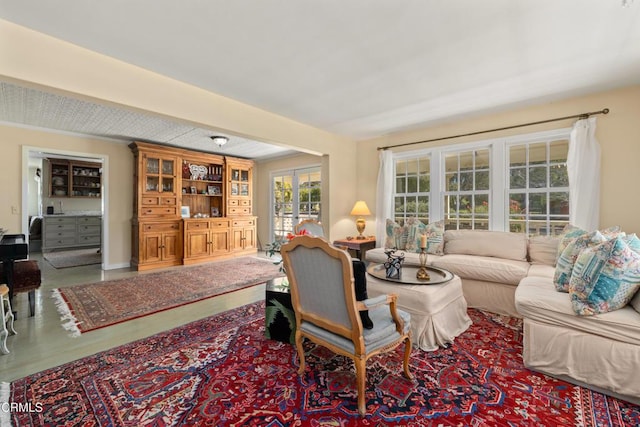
(568, 235)
(435, 238)
(564, 266)
(415, 229)
(633, 241)
(605, 278)
(394, 235)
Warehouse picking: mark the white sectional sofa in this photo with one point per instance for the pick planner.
(510, 274)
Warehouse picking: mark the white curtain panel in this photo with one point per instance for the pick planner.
(384, 203)
(583, 168)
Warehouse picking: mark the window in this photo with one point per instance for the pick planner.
(538, 187)
(519, 184)
(466, 193)
(413, 187)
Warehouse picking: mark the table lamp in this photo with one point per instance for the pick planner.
(360, 209)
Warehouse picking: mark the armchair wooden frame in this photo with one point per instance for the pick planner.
(352, 332)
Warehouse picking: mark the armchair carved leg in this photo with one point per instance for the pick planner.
(407, 354)
(300, 350)
(361, 375)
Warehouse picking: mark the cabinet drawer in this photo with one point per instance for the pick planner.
(168, 201)
(239, 211)
(54, 222)
(161, 226)
(55, 234)
(60, 228)
(89, 240)
(157, 211)
(89, 220)
(85, 230)
(60, 242)
(239, 202)
(197, 225)
(151, 201)
(220, 223)
(243, 222)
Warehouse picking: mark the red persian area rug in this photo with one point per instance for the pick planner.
(96, 305)
(221, 371)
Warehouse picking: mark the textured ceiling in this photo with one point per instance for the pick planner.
(40, 109)
(360, 68)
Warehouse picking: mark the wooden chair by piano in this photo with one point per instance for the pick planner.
(7, 319)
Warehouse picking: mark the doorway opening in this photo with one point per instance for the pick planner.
(65, 185)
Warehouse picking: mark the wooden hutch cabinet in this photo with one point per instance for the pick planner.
(74, 178)
(184, 209)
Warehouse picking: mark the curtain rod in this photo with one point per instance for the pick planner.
(581, 116)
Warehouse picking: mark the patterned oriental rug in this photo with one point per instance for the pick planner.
(88, 307)
(221, 371)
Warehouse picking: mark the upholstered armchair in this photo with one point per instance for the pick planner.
(323, 298)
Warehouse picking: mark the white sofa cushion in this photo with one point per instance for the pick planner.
(537, 299)
(484, 268)
(499, 244)
(543, 249)
(541, 270)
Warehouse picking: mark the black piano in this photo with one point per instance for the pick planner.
(12, 247)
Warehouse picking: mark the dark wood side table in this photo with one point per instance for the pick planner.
(357, 248)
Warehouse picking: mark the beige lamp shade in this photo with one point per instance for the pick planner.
(360, 209)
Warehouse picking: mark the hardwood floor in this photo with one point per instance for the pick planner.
(42, 343)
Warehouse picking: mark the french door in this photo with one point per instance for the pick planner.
(295, 196)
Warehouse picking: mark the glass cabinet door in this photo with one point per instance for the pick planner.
(159, 175)
(168, 175)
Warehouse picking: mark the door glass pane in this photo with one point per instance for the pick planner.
(167, 184)
(153, 165)
(152, 183)
(244, 176)
(167, 167)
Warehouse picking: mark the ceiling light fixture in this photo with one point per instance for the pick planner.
(219, 140)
